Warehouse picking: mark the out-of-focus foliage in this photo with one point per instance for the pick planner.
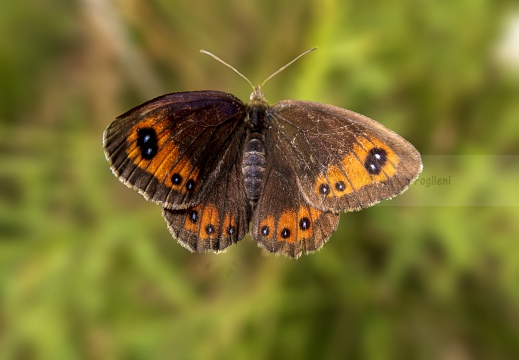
(88, 268)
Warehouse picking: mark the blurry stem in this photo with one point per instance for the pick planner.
(107, 22)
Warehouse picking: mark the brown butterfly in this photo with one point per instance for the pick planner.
(216, 164)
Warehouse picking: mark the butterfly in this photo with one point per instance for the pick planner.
(220, 168)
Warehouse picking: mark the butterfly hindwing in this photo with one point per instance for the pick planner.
(344, 161)
(220, 219)
(283, 222)
(170, 148)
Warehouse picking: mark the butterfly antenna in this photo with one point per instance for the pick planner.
(287, 65)
(229, 66)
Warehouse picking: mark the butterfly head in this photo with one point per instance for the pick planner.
(257, 95)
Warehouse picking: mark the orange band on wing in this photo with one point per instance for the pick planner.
(358, 169)
(267, 227)
(210, 222)
(165, 165)
(287, 227)
(203, 221)
(291, 226)
(192, 222)
(306, 217)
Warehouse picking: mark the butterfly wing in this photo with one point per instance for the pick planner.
(343, 160)
(221, 219)
(283, 222)
(172, 148)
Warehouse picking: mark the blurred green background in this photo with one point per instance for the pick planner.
(88, 268)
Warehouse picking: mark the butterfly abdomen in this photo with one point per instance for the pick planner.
(253, 164)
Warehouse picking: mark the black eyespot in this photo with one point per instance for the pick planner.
(340, 186)
(304, 224)
(147, 143)
(265, 230)
(285, 233)
(193, 216)
(375, 160)
(231, 230)
(209, 229)
(324, 189)
(176, 179)
(190, 185)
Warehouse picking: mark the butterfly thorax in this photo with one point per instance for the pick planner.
(253, 163)
(256, 111)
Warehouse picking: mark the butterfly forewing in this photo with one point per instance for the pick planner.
(343, 160)
(170, 148)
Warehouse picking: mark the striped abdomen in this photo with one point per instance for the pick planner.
(253, 164)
